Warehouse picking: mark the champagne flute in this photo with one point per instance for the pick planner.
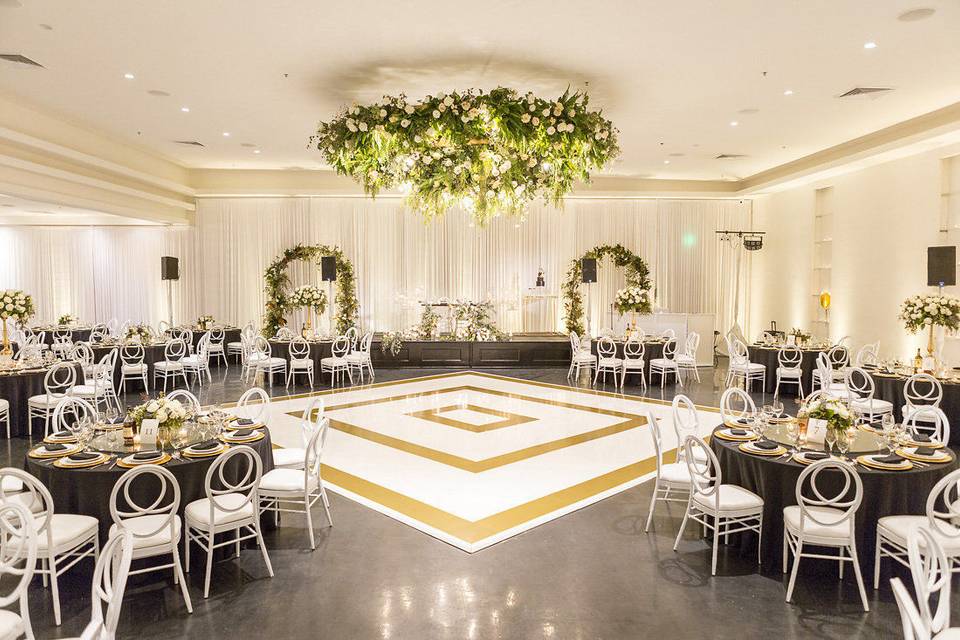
(843, 442)
(793, 434)
(829, 439)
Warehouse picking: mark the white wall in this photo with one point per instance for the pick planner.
(885, 217)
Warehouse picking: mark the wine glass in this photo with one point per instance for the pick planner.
(829, 439)
(844, 439)
(793, 434)
(777, 406)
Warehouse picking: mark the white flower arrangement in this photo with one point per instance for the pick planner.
(66, 319)
(138, 333)
(922, 311)
(833, 411)
(632, 299)
(310, 297)
(168, 413)
(17, 305)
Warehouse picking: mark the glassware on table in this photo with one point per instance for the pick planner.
(829, 439)
(793, 434)
(777, 406)
(844, 440)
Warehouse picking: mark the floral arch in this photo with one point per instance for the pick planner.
(636, 271)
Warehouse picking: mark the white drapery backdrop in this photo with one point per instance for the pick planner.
(398, 259)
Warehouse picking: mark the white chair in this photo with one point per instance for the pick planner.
(825, 372)
(5, 414)
(293, 457)
(70, 412)
(672, 483)
(236, 348)
(163, 327)
(63, 539)
(838, 358)
(722, 508)
(297, 490)
(360, 359)
(285, 334)
(216, 348)
(82, 353)
(336, 364)
(109, 585)
(869, 354)
(928, 423)
(198, 364)
(894, 531)
(98, 333)
(62, 342)
(741, 368)
(735, 403)
(300, 361)
(789, 370)
(185, 397)
(171, 366)
(185, 334)
(99, 389)
(18, 557)
(254, 404)
(824, 519)
(687, 360)
(133, 367)
(153, 522)
(633, 361)
(264, 360)
(607, 360)
(57, 383)
(249, 357)
(580, 357)
(234, 506)
(921, 390)
(686, 423)
(861, 389)
(666, 364)
(931, 577)
(668, 334)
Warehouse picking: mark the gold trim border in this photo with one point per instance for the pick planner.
(507, 419)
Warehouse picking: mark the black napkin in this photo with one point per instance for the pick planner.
(889, 459)
(206, 446)
(769, 445)
(925, 451)
(816, 455)
(61, 435)
(742, 420)
(242, 433)
(147, 455)
(921, 437)
(83, 456)
(55, 447)
(737, 432)
(244, 422)
(117, 420)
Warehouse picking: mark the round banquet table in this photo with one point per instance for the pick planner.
(885, 493)
(652, 349)
(79, 334)
(87, 491)
(318, 351)
(889, 387)
(767, 356)
(230, 334)
(17, 389)
(152, 353)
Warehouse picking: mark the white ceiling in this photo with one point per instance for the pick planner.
(671, 75)
(17, 211)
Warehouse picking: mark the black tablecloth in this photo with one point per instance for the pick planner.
(651, 350)
(885, 493)
(87, 491)
(76, 335)
(151, 354)
(230, 334)
(318, 351)
(17, 389)
(890, 388)
(767, 356)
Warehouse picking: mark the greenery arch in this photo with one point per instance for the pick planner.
(636, 271)
(277, 281)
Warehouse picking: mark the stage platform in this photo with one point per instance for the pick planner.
(522, 350)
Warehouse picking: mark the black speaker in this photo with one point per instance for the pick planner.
(328, 268)
(169, 268)
(941, 266)
(589, 268)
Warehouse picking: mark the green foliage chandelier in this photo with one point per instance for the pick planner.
(490, 153)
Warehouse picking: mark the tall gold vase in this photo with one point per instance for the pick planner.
(930, 345)
(6, 351)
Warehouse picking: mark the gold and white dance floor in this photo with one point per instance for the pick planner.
(473, 458)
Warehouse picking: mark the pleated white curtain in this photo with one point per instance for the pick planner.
(398, 259)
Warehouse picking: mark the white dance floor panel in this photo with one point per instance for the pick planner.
(473, 458)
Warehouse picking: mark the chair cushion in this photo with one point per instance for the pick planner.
(167, 366)
(44, 401)
(789, 372)
(663, 363)
(898, 528)
(234, 345)
(676, 473)
(732, 498)
(683, 358)
(334, 361)
(89, 390)
(284, 481)
(610, 362)
(67, 530)
(292, 457)
(747, 366)
(358, 356)
(133, 368)
(4, 404)
(11, 625)
(143, 525)
(842, 531)
(273, 363)
(633, 363)
(301, 363)
(908, 409)
(198, 511)
(584, 356)
(873, 405)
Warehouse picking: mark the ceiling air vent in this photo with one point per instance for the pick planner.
(19, 59)
(190, 143)
(730, 156)
(864, 91)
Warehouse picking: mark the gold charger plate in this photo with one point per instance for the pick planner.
(67, 440)
(164, 459)
(206, 454)
(63, 463)
(779, 451)
(46, 455)
(720, 433)
(931, 459)
(259, 435)
(879, 466)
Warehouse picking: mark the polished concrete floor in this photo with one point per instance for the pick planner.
(590, 574)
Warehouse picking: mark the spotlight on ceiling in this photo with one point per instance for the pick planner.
(751, 240)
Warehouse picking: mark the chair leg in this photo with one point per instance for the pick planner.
(716, 545)
(785, 550)
(178, 571)
(876, 565)
(326, 504)
(263, 547)
(796, 564)
(653, 503)
(856, 571)
(206, 579)
(683, 525)
(54, 588)
(306, 504)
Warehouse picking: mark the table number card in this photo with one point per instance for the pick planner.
(148, 434)
(816, 430)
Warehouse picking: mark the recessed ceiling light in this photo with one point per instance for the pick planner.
(185, 109)
(788, 92)
(129, 76)
(734, 123)
(870, 45)
(666, 162)
(916, 14)
(159, 93)
(226, 134)
(256, 150)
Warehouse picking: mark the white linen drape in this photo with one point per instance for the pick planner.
(106, 272)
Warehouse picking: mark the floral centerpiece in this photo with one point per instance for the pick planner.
(391, 342)
(138, 333)
(926, 311)
(800, 336)
(632, 299)
(15, 305)
(169, 415)
(832, 412)
(66, 320)
(486, 152)
(479, 327)
(309, 297)
(204, 322)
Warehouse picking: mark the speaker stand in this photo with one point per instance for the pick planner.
(587, 312)
(170, 302)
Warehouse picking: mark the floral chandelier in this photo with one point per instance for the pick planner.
(490, 153)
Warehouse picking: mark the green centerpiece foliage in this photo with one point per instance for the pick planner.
(635, 270)
(488, 152)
